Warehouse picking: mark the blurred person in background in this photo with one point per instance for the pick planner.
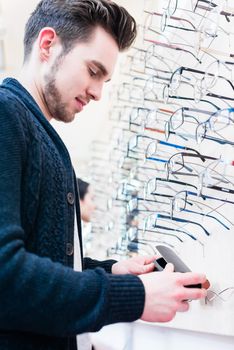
(87, 205)
(87, 208)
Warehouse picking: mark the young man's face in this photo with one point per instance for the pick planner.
(70, 82)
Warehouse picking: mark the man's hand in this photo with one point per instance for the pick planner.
(166, 294)
(136, 265)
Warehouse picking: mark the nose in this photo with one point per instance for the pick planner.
(95, 91)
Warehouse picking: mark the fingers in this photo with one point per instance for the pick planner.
(166, 293)
(183, 306)
(148, 259)
(195, 293)
(189, 278)
(143, 264)
(169, 267)
(148, 268)
(139, 269)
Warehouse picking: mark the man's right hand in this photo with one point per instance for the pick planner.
(166, 294)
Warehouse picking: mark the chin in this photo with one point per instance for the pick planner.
(69, 119)
(65, 119)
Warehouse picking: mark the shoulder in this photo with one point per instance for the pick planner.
(12, 109)
(13, 118)
(9, 102)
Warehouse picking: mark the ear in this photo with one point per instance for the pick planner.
(47, 38)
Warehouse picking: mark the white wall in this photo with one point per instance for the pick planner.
(139, 336)
(152, 337)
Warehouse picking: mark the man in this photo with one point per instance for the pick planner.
(71, 47)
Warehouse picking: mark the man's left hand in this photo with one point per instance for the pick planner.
(136, 265)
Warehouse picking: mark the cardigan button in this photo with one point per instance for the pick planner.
(69, 249)
(70, 198)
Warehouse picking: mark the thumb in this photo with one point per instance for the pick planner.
(169, 267)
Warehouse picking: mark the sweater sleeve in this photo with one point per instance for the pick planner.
(38, 295)
(105, 264)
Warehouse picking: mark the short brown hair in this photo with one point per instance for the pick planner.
(74, 20)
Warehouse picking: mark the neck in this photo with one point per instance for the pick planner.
(31, 83)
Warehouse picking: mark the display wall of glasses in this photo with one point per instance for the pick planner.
(166, 174)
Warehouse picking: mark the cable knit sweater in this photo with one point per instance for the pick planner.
(44, 303)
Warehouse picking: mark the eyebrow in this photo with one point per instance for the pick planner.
(101, 67)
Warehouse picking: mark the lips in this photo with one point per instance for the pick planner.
(80, 103)
(83, 102)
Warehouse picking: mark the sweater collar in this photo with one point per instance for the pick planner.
(18, 89)
(25, 97)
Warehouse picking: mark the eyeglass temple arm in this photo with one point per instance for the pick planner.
(184, 221)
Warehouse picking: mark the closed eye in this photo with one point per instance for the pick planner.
(93, 72)
(97, 70)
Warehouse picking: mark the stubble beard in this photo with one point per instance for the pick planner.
(58, 110)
